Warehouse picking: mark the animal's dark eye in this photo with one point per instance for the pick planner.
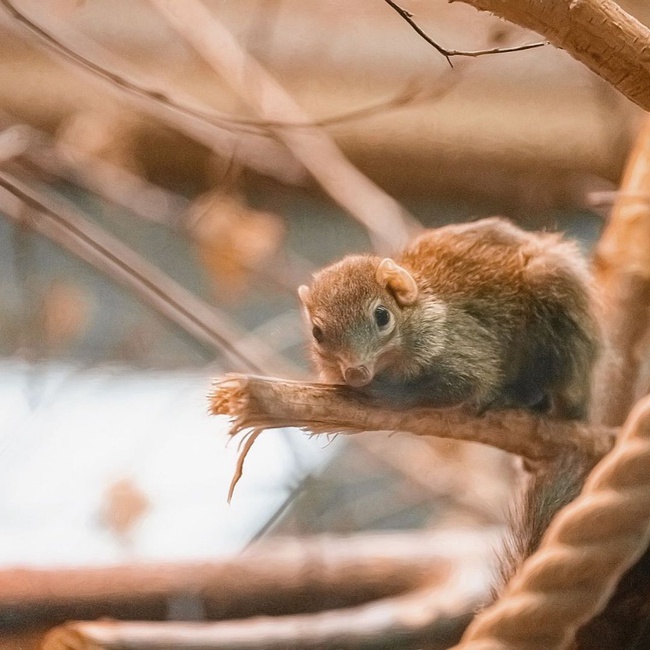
(382, 316)
(317, 333)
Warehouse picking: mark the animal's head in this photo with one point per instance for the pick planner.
(355, 311)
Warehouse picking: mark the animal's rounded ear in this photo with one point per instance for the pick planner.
(304, 294)
(398, 280)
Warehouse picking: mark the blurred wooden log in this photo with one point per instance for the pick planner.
(282, 576)
(404, 622)
(622, 269)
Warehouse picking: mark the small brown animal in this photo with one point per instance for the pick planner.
(482, 313)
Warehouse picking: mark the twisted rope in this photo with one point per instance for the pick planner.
(584, 553)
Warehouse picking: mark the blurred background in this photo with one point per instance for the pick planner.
(163, 191)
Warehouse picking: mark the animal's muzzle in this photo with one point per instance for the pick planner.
(357, 376)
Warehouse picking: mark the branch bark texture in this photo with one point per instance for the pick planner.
(263, 402)
(597, 33)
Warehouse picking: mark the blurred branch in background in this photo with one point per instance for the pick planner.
(419, 590)
(64, 225)
(270, 577)
(221, 136)
(70, 158)
(113, 183)
(386, 221)
(405, 621)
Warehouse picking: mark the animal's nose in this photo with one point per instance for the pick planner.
(357, 376)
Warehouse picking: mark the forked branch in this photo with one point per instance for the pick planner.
(449, 53)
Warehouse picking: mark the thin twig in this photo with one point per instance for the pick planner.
(228, 121)
(408, 17)
(598, 33)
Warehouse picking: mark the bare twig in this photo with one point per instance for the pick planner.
(598, 33)
(386, 221)
(257, 403)
(447, 53)
(65, 226)
(405, 97)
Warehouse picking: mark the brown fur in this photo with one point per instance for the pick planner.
(502, 318)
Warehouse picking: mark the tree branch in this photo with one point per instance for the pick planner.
(257, 403)
(272, 577)
(435, 611)
(447, 53)
(597, 33)
(405, 622)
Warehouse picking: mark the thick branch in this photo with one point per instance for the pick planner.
(263, 402)
(597, 33)
(438, 609)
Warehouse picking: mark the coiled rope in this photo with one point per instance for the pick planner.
(584, 553)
